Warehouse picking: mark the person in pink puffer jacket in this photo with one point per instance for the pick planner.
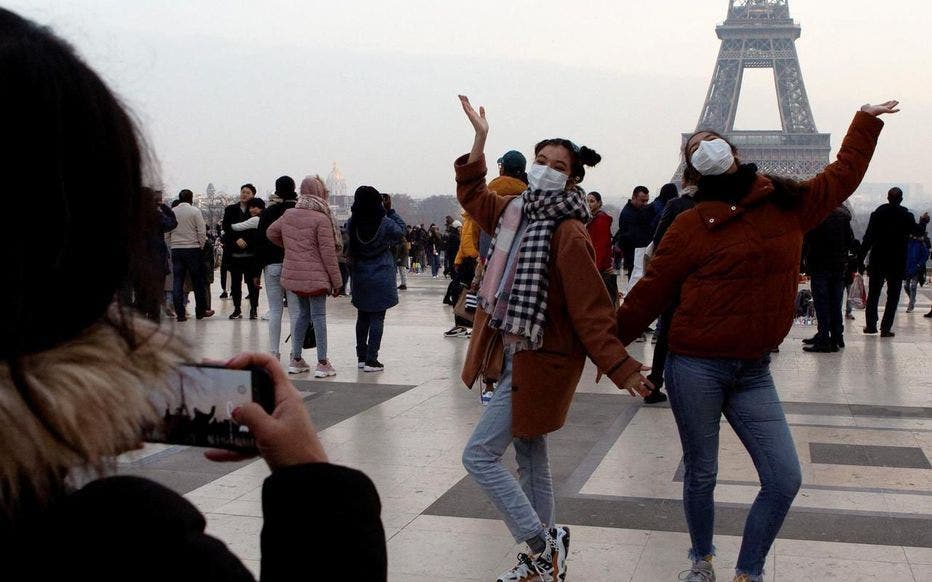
(310, 271)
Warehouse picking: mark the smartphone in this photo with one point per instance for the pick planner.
(198, 409)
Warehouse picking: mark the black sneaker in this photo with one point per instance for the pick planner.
(655, 397)
(373, 366)
(224, 295)
(253, 315)
(236, 315)
(870, 330)
(887, 334)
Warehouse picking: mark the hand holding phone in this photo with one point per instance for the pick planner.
(285, 437)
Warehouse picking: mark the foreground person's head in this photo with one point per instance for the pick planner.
(716, 155)
(563, 156)
(76, 363)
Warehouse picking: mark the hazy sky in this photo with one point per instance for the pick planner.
(234, 91)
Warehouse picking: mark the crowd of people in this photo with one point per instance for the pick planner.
(533, 263)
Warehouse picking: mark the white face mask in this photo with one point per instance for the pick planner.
(713, 158)
(541, 177)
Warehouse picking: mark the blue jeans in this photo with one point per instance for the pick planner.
(188, 262)
(828, 293)
(701, 390)
(303, 311)
(525, 503)
(274, 292)
(369, 326)
(434, 264)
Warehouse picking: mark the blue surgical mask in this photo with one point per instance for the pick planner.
(541, 177)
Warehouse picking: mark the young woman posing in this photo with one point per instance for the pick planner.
(542, 309)
(733, 260)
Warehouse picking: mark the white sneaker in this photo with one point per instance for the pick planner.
(702, 571)
(324, 370)
(373, 366)
(552, 563)
(524, 571)
(298, 366)
(361, 364)
(455, 331)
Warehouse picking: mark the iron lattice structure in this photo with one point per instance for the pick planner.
(759, 34)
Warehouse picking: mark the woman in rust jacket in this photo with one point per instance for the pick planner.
(542, 310)
(734, 261)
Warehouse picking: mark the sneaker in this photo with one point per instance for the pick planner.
(456, 331)
(655, 397)
(224, 295)
(552, 563)
(324, 370)
(485, 397)
(236, 315)
(298, 366)
(402, 287)
(910, 309)
(524, 571)
(253, 314)
(701, 571)
(208, 313)
(467, 335)
(373, 366)
(360, 364)
(870, 330)
(928, 315)
(887, 334)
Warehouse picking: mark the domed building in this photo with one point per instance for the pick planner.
(340, 199)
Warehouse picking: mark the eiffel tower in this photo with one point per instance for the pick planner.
(759, 34)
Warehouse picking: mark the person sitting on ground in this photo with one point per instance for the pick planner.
(76, 376)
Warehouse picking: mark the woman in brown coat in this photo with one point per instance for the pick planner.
(542, 310)
(734, 261)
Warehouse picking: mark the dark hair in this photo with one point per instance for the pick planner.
(253, 188)
(186, 196)
(255, 203)
(597, 196)
(283, 185)
(367, 213)
(640, 190)
(895, 195)
(516, 173)
(175, 202)
(580, 157)
(67, 138)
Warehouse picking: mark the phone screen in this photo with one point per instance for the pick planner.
(198, 410)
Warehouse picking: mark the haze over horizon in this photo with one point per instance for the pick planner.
(247, 92)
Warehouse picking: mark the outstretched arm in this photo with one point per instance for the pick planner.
(480, 124)
(472, 191)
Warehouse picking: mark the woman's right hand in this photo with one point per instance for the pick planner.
(286, 437)
(890, 107)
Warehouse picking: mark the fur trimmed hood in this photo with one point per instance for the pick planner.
(79, 404)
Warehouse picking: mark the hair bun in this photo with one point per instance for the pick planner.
(589, 157)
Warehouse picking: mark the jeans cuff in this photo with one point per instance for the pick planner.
(751, 577)
(695, 557)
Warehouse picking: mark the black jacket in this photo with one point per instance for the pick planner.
(826, 246)
(270, 253)
(231, 214)
(321, 521)
(887, 239)
(673, 209)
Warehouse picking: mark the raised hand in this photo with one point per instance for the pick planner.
(877, 110)
(478, 120)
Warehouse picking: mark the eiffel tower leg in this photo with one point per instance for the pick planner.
(795, 111)
(721, 102)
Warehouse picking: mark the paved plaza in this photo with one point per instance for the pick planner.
(861, 420)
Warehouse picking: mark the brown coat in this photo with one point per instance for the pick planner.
(580, 321)
(737, 267)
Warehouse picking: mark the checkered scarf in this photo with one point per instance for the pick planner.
(526, 285)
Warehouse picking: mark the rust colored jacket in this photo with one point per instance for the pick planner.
(580, 321)
(738, 266)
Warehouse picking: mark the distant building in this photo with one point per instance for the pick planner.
(340, 199)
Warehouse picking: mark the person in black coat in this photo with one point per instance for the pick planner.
(826, 250)
(673, 208)
(634, 226)
(232, 214)
(100, 362)
(886, 240)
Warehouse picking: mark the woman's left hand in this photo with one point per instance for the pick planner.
(241, 243)
(637, 384)
(877, 110)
